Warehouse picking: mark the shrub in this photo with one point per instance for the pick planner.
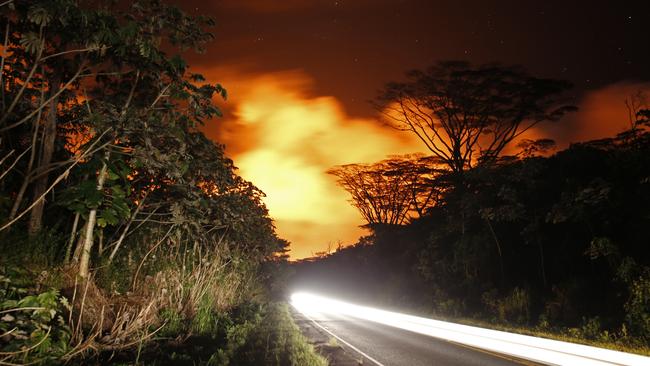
(514, 307)
(268, 338)
(637, 307)
(32, 325)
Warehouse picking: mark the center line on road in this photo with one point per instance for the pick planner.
(341, 339)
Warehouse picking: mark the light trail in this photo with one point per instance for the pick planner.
(525, 347)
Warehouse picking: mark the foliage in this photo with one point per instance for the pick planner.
(513, 308)
(392, 190)
(32, 323)
(638, 306)
(276, 334)
(108, 181)
(557, 242)
(249, 334)
(466, 115)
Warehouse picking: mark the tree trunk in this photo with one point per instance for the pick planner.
(541, 262)
(496, 241)
(76, 255)
(84, 260)
(119, 241)
(30, 164)
(73, 235)
(40, 185)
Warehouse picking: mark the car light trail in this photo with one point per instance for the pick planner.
(526, 347)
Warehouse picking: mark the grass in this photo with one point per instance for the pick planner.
(278, 341)
(253, 334)
(332, 342)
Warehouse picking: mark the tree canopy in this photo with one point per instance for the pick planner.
(100, 118)
(393, 190)
(466, 115)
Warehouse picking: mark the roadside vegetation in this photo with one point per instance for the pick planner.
(125, 234)
(553, 244)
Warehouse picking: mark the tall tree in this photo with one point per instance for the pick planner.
(105, 72)
(466, 115)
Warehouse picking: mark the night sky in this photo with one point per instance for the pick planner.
(300, 74)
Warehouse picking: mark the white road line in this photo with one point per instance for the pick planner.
(341, 339)
(531, 348)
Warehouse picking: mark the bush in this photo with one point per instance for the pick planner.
(637, 307)
(32, 324)
(514, 307)
(271, 339)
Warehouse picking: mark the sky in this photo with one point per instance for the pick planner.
(300, 75)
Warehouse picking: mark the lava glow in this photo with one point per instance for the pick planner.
(283, 139)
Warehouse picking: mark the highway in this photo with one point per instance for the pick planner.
(381, 345)
(390, 338)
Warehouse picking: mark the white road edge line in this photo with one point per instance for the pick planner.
(339, 338)
(547, 351)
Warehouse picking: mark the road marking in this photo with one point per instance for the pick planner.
(494, 354)
(342, 340)
(475, 349)
(530, 348)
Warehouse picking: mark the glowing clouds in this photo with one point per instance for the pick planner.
(601, 113)
(284, 141)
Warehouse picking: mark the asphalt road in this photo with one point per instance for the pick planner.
(388, 346)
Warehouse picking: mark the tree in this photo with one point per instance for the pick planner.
(135, 110)
(467, 115)
(389, 191)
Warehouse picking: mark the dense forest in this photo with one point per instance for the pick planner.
(553, 244)
(122, 227)
(125, 231)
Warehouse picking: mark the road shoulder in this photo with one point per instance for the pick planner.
(325, 344)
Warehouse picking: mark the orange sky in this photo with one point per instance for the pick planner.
(283, 138)
(285, 128)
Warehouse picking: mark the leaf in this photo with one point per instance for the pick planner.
(179, 64)
(31, 41)
(109, 216)
(112, 175)
(118, 191)
(38, 16)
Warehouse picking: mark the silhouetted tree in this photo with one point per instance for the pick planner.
(466, 115)
(387, 191)
(530, 148)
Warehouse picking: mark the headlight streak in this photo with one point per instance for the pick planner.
(526, 347)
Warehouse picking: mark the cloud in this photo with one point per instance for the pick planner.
(283, 140)
(602, 113)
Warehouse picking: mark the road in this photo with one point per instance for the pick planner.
(383, 345)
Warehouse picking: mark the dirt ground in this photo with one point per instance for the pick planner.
(325, 344)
